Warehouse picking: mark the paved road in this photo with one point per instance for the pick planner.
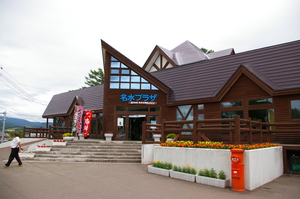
(43, 180)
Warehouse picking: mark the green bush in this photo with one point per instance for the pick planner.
(222, 175)
(212, 173)
(171, 135)
(204, 172)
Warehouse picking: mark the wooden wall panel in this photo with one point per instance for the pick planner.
(244, 87)
(283, 108)
(212, 110)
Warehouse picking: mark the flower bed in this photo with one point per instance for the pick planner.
(43, 147)
(26, 155)
(59, 142)
(158, 171)
(215, 145)
(183, 176)
(188, 173)
(212, 181)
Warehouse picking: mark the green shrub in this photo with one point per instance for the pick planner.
(222, 175)
(212, 173)
(171, 135)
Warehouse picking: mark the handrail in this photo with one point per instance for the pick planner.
(237, 130)
(54, 132)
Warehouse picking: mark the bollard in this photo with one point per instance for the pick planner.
(237, 170)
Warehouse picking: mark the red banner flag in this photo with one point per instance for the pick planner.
(87, 123)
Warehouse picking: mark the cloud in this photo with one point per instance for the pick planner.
(50, 46)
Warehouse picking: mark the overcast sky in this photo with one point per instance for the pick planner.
(48, 47)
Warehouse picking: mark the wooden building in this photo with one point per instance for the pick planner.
(187, 84)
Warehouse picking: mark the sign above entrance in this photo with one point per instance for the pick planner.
(147, 103)
(138, 98)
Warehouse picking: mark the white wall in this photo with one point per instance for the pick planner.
(148, 153)
(261, 165)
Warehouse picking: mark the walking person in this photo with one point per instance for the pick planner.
(15, 145)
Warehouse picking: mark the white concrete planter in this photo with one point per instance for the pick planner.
(158, 171)
(68, 138)
(212, 181)
(108, 136)
(261, 165)
(156, 137)
(26, 155)
(182, 176)
(43, 148)
(59, 143)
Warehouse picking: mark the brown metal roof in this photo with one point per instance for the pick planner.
(184, 53)
(277, 66)
(62, 104)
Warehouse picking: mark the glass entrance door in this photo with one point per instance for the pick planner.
(135, 127)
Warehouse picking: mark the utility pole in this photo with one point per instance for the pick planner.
(3, 127)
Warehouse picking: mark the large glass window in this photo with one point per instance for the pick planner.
(124, 78)
(200, 116)
(231, 104)
(261, 101)
(120, 108)
(134, 108)
(295, 108)
(200, 106)
(265, 115)
(154, 109)
(231, 114)
(185, 113)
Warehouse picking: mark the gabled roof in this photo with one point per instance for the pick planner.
(62, 104)
(187, 53)
(277, 66)
(184, 53)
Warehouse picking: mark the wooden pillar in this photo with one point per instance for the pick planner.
(237, 129)
(195, 133)
(162, 130)
(144, 134)
(260, 138)
(250, 137)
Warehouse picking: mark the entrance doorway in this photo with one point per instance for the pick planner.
(135, 127)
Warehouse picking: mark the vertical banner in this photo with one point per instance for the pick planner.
(80, 110)
(74, 127)
(87, 123)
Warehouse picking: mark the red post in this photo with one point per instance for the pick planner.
(237, 170)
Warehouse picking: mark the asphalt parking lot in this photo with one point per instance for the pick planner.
(36, 180)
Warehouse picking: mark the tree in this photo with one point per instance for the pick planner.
(95, 77)
(207, 51)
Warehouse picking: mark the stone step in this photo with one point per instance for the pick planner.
(70, 150)
(133, 153)
(91, 151)
(97, 147)
(87, 156)
(82, 160)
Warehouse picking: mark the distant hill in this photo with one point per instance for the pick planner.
(19, 123)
